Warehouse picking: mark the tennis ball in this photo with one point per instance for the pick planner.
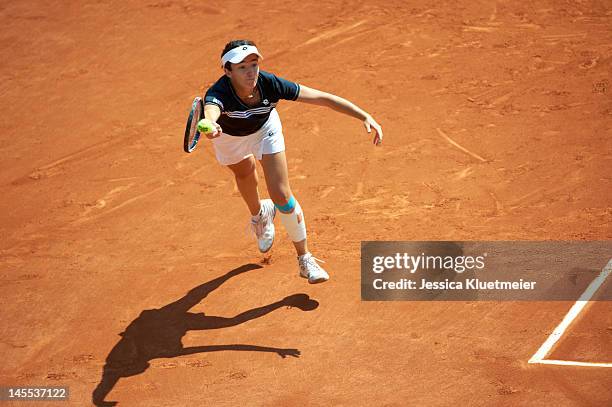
(205, 126)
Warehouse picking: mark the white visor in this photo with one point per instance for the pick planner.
(238, 54)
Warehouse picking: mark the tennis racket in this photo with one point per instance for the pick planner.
(192, 135)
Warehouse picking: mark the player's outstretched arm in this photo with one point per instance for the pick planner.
(319, 98)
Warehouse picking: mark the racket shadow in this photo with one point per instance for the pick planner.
(157, 333)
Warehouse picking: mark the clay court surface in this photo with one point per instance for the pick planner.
(109, 228)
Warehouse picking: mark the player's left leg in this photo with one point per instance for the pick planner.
(277, 180)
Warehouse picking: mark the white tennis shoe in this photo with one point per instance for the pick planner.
(263, 225)
(310, 269)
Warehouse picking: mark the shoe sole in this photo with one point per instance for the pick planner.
(317, 281)
(267, 250)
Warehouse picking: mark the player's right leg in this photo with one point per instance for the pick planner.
(262, 211)
(246, 178)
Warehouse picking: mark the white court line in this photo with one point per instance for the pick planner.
(539, 356)
(571, 363)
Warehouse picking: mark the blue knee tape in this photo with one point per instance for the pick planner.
(288, 207)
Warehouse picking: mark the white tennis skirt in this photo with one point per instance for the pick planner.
(267, 140)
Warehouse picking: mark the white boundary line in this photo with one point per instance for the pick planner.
(539, 356)
(571, 363)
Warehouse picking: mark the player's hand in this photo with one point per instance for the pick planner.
(371, 124)
(216, 133)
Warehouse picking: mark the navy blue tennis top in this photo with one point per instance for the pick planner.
(238, 119)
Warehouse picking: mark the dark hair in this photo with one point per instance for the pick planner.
(230, 46)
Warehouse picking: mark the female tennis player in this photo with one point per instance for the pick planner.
(241, 105)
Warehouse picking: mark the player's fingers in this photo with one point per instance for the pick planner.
(379, 131)
(216, 133)
(378, 137)
(367, 126)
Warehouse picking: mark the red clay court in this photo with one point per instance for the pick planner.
(498, 124)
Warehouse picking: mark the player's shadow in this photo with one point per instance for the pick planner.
(157, 333)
